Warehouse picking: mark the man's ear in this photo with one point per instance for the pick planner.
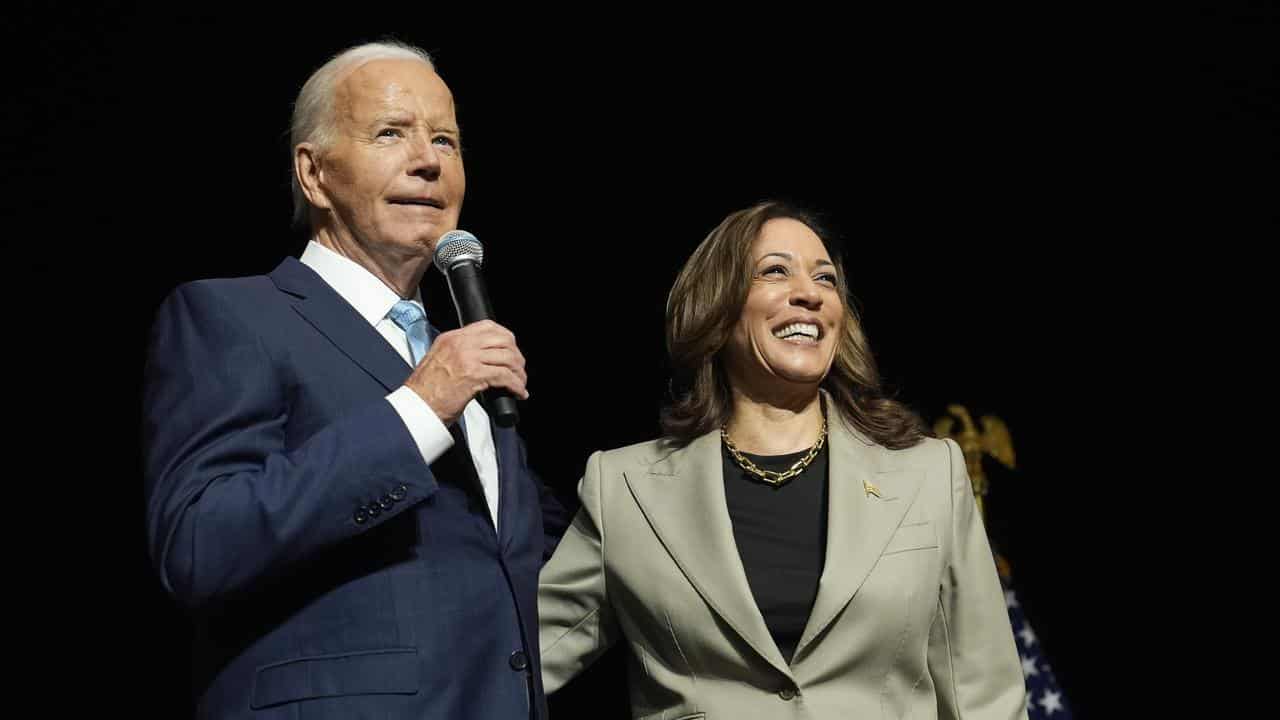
(308, 168)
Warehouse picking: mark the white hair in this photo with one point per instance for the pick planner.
(313, 116)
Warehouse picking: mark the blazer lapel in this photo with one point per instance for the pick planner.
(325, 309)
(683, 499)
(859, 524)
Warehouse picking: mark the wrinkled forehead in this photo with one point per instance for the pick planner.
(385, 86)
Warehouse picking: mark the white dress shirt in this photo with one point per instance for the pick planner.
(373, 300)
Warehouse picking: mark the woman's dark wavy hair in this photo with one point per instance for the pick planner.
(704, 306)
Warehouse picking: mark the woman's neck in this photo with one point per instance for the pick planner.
(765, 428)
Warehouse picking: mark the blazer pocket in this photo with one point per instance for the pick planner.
(391, 671)
(912, 537)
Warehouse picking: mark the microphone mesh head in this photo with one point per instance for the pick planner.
(457, 245)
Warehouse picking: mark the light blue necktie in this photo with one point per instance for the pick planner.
(413, 321)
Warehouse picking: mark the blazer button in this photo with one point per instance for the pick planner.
(519, 661)
(399, 493)
(386, 501)
(786, 693)
(361, 517)
(374, 509)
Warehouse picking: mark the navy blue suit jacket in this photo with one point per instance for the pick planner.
(331, 572)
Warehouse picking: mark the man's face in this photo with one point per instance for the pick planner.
(393, 175)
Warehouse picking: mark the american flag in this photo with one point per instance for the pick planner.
(1045, 700)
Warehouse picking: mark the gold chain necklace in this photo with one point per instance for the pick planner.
(774, 478)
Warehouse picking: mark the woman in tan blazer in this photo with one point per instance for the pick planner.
(794, 546)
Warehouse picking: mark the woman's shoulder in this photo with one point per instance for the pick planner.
(641, 453)
(930, 453)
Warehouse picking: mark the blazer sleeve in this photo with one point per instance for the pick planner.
(973, 659)
(229, 507)
(575, 620)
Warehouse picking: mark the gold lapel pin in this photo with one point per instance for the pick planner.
(870, 488)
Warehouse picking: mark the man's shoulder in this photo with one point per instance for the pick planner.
(249, 291)
(245, 302)
(227, 287)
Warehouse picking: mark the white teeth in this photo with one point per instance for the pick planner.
(806, 329)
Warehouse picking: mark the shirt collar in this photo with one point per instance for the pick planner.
(360, 288)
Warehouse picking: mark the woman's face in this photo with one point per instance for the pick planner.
(790, 325)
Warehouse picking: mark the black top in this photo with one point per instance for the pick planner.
(781, 534)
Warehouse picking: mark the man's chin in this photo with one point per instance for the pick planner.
(428, 236)
(420, 241)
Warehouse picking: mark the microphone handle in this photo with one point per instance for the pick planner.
(471, 298)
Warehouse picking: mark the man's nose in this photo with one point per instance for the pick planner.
(424, 159)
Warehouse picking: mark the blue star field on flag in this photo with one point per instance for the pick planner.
(1045, 700)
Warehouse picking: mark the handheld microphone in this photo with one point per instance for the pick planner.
(459, 256)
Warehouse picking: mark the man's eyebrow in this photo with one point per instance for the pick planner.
(404, 119)
(393, 117)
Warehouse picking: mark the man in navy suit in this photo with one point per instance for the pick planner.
(352, 535)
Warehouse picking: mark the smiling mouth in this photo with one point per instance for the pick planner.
(798, 333)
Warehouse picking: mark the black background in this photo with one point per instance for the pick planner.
(1008, 182)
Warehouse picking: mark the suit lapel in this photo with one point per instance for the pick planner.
(859, 524)
(508, 478)
(325, 309)
(683, 499)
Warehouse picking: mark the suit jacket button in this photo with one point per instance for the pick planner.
(386, 501)
(786, 693)
(399, 493)
(519, 661)
(361, 517)
(374, 509)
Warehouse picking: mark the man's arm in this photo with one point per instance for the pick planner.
(556, 516)
(227, 505)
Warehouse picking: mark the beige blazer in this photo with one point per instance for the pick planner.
(909, 620)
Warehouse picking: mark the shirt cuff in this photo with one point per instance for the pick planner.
(428, 432)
